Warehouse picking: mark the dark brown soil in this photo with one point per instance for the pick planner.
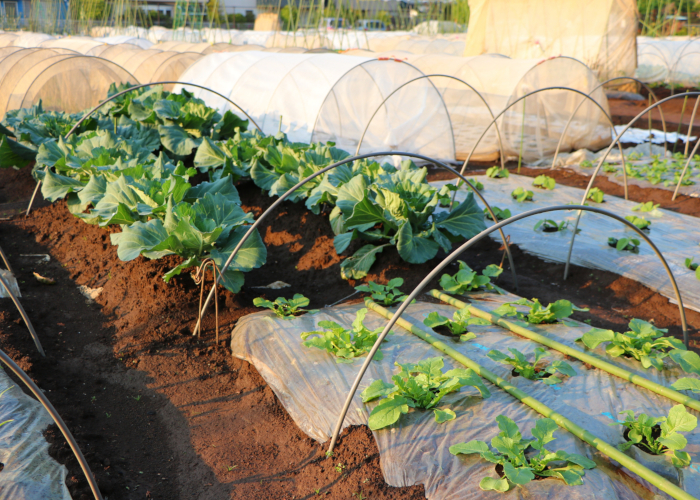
(160, 414)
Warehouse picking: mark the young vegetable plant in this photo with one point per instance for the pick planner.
(387, 295)
(457, 326)
(497, 172)
(538, 314)
(645, 343)
(344, 344)
(551, 226)
(649, 206)
(520, 194)
(660, 435)
(286, 308)
(500, 213)
(687, 384)
(624, 244)
(640, 222)
(693, 266)
(532, 371)
(518, 469)
(468, 280)
(596, 195)
(421, 385)
(544, 182)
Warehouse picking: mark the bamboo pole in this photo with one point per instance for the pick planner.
(563, 422)
(570, 351)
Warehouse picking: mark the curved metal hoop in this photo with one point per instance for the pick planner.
(135, 87)
(651, 92)
(56, 418)
(687, 164)
(23, 313)
(279, 201)
(498, 131)
(454, 255)
(600, 164)
(4, 259)
(585, 96)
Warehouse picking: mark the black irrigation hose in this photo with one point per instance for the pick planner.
(56, 418)
(454, 255)
(279, 200)
(136, 87)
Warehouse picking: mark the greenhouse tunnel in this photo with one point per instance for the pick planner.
(674, 60)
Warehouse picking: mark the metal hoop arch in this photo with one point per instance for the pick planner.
(279, 201)
(56, 418)
(23, 313)
(498, 131)
(600, 164)
(687, 164)
(450, 258)
(136, 87)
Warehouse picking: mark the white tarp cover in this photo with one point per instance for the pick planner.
(676, 235)
(29, 472)
(312, 387)
(601, 33)
(329, 97)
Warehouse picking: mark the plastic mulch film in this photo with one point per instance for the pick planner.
(29, 472)
(312, 387)
(11, 282)
(676, 235)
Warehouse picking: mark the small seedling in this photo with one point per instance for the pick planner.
(669, 441)
(339, 467)
(387, 295)
(359, 496)
(231, 467)
(645, 343)
(544, 182)
(345, 345)
(497, 172)
(501, 214)
(137, 398)
(517, 467)
(284, 308)
(640, 222)
(586, 164)
(520, 194)
(420, 385)
(458, 325)
(596, 195)
(468, 280)
(532, 371)
(693, 266)
(624, 244)
(649, 206)
(538, 314)
(551, 226)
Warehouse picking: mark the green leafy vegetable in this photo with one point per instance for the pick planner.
(387, 295)
(535, 370)
(285, 308)
(624, 244)
(501, 214)
(596, 195)
(421, 385)
(640, 222)
(660, 435)
(544, 182)
(538, 314)
(649, 206)
(497, 172)
(468, 280)
(551, 226)
(519, 469)
(458, 325)
(520, 194)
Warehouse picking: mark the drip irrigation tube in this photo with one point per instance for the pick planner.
(23, 313)
(56, 418)
(570, 351)
(563, 422)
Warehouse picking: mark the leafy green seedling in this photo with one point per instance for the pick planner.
(421, 385)
(387, 295)
(660, 435)
(478, 185)
(649, 206)
(501, 214)
(520, 194)
(518, 469)
(457, 326)
(693, 266)
(586, 164)
(532, 371)
(624, 244)
(596, 195)
(340, 467)
(537, 315)
(687, 384)
(640, 222)
(645, 343)
(285, 308)
(551, 226)
(497, 172)
(345, 345)
(544, 182)
(467, 280)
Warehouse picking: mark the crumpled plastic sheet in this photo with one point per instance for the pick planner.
(29, 472)
(11, 282)
(312, 387)
(676, 235)
(573, 161)
(640, 136)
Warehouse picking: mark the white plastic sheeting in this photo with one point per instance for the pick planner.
(312, 387)
(329, 97)
(669, 60)
(676, 236)
(29, 472)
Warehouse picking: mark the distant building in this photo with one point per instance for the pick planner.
(167, 7)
